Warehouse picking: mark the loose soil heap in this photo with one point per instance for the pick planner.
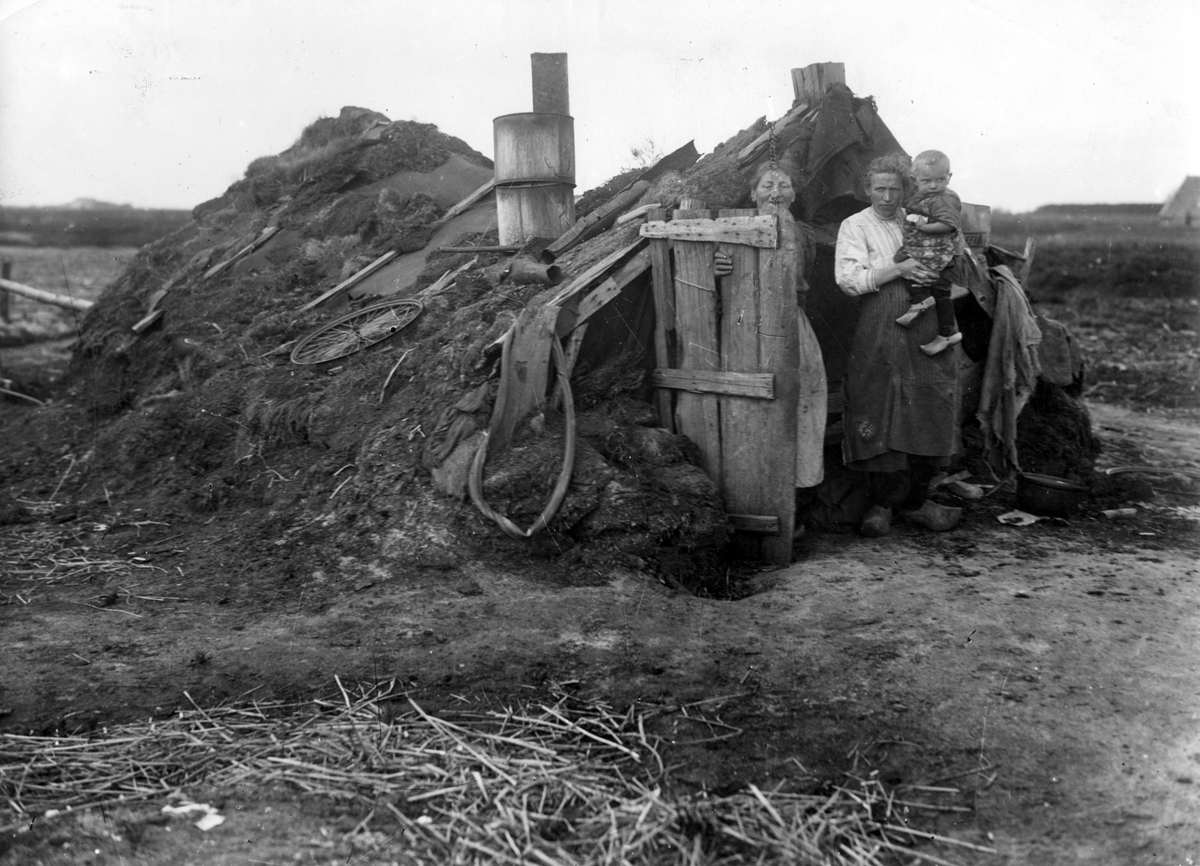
(206, 414)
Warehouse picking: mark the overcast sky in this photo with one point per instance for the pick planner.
(165, 102)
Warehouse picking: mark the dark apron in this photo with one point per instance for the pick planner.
(898, 399)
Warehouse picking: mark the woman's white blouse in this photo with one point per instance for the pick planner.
(866, 244)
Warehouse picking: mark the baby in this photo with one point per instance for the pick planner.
(933, 236)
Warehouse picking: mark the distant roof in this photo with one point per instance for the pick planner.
(1185, 200)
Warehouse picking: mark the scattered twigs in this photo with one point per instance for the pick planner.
(48, 555)
(566, 781)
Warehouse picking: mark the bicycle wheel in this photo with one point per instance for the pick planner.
(356, 331)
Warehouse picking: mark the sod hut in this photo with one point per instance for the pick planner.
(478, 401)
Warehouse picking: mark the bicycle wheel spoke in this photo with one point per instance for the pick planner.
(356, 331)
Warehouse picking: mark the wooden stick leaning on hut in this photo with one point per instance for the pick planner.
(44, 296)
(602, 217)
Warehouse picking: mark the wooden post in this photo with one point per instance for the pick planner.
(810, 83)
(664, 319)
(65, 301)
(779, 351)
(696, 415)
(5, 297)
(741, 419)
(550, 92)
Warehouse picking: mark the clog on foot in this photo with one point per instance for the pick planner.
(931, 515)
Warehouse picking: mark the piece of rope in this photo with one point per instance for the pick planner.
(475, 480)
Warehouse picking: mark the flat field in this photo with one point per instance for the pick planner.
(35, 338)
(1129, 289)
(81, 273)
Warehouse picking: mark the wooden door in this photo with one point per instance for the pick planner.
(733, 370)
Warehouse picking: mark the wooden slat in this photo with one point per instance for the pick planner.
(349, 283)
(756, 148)
(755, 231)
(573, 346)
(525, 372)
(762, 524)
(754, 386)
(582, 283)
(266, 234)
(144, 324)
(697, 415)
(493, 248)
(598, 220)
(637, 213)
(44, 296)
(810, 82)
(778, 272)
(466, 203)
(664, 321)
(741, 418)
(573, 314)
(596, 299)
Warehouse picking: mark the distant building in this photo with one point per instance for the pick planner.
(1183, 208)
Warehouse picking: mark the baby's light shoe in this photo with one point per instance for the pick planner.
(915, 310)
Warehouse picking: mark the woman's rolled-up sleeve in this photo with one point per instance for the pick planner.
(852, 270)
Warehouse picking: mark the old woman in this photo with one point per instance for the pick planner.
(773, 192)
(902, 406)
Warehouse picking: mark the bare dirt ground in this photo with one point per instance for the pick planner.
(1050, 670)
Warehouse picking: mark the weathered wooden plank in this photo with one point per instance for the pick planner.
(697, 415)
(810, 82)
(583, 282)
(761, 524)
(754, 386)
(599, 219)
(349, 283)
(639, 212)
(742, 418)
(596, 299)
(266, 234)
(758, 147)
(44, 296)
(755, 231)
(573, 346)
(146, 322)
(573, 314)
(466, 203)
(493, 248)
(778, 352)
(570, 355)
(525, 372)
(664, 321)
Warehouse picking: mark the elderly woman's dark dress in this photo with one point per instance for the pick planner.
(902, 407)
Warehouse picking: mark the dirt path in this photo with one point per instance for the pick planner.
(1049, 672)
